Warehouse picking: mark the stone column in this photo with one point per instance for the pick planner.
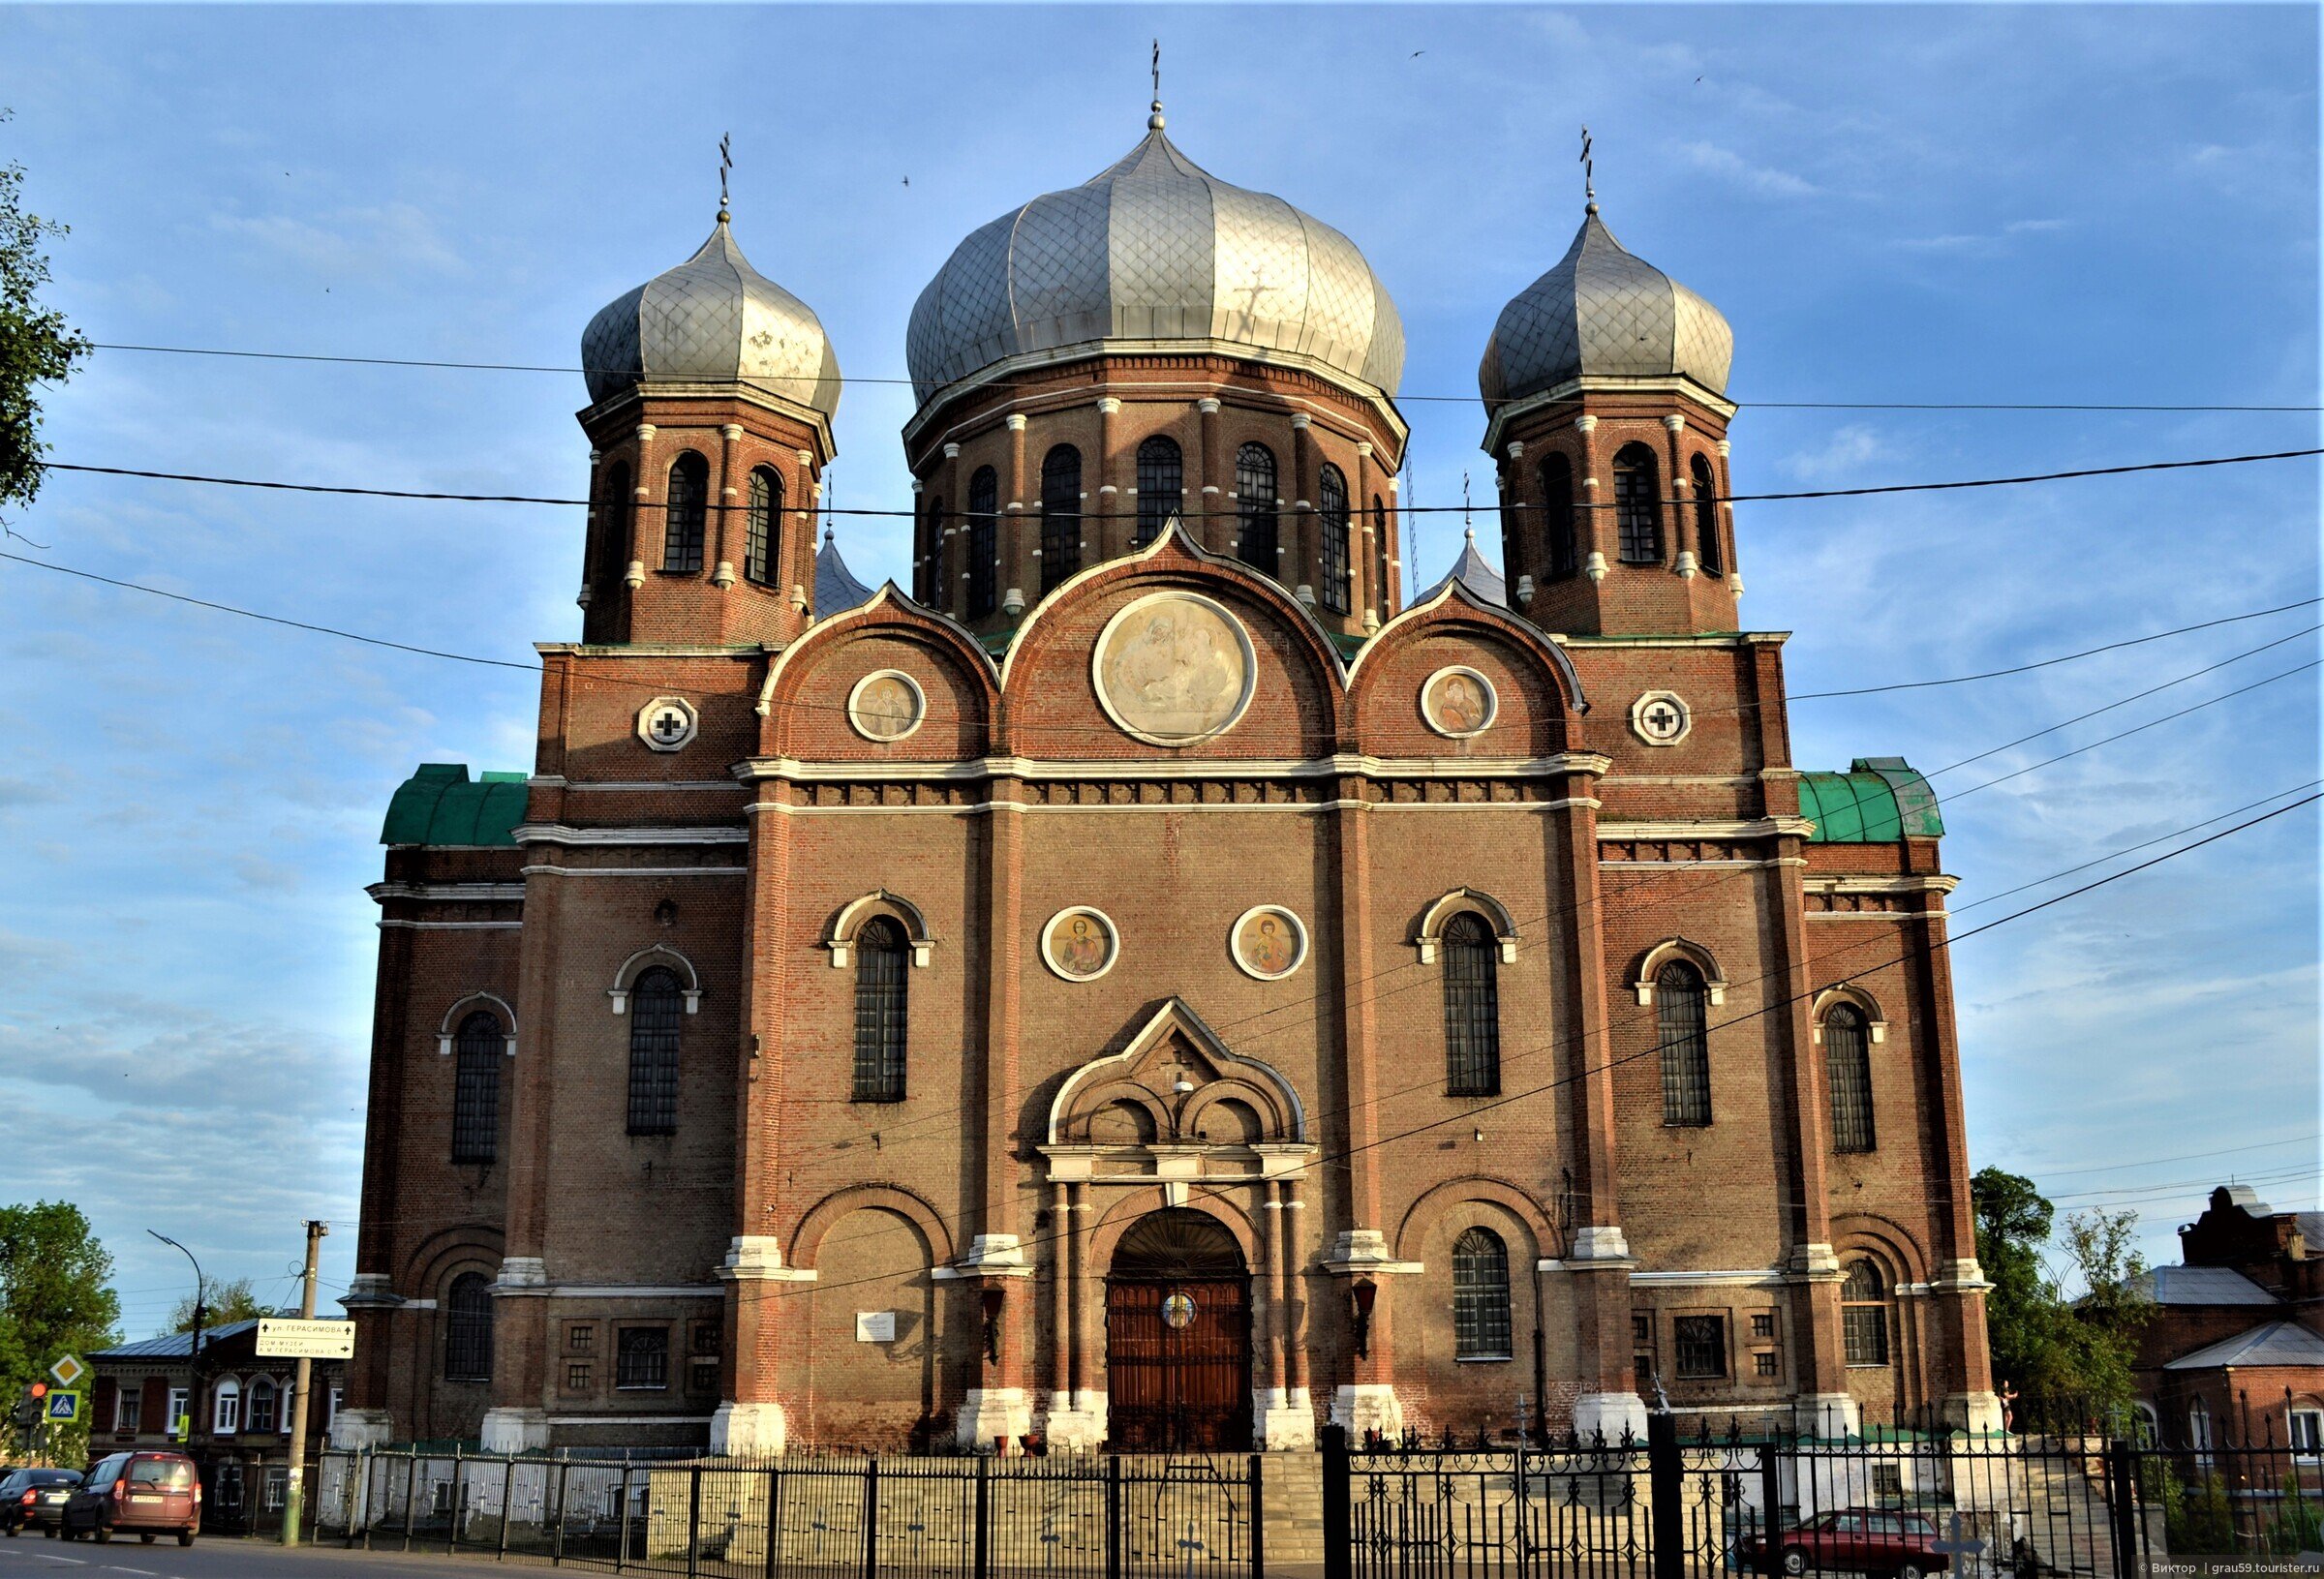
(1524, 526)
(1732, 558)
(1112, 520)
(1393, 593)
(1364, 590)
(1681, 494)
(1297, 561)
(1596, 528)
(725, 533)
(1019, 529)
(1210, 528)
(953, 547)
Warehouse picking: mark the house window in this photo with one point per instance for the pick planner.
(1762, 1323)
(1255, 493)
(702, 1378)
(984, 553)
(1702, 1344)
(1848, 1067)
(1679, 1007)
(879, 1011)
(290, 1396)
(271, 1494)
(1638, 512)
(687, 512)
(1557, 509)
(1161, 484)
(1332, 492)
(1763, 1363)
(578, 1377)
(642, 1358)
(656, 1005)
(581, 1338)
(1061, 516)
(1706, 518)
(1864, 1314)
(1889, 1480)
(2307, 1433)
(181, 1399)
(477, 1055)
(1471, 1008)
(762, 539)
(706, 1338)
(2198, 1428)
(226, 1408)
(330, 1408)
(260, 1415)
(1481, 1323)
(128, 1407)
(467, 1328)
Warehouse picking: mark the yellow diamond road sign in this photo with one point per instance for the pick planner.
(67, 1370)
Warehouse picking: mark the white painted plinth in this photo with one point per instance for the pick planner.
(354, 1429)
(514, 1430)
(1831, 1415)
(757, 1429)
(1367, 1406)
(987, 1413)
(1285, 1419)
(1076, 1422)
(1979, 1413)
(1609, 1414)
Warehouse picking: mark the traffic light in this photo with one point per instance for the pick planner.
(39, 1390)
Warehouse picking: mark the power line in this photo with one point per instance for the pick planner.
(1460, 400)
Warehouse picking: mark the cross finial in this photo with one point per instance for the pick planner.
(1153, 122)
(1589, 174)
(1468, 526)
(725, 163)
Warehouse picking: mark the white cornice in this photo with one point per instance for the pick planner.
(1705, 828)
(1342, 766)
(984, 808)
(456, 892)
(549, 833)
(638, 871)
(655, 649)
(1924, 883)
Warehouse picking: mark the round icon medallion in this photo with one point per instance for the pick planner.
(886, 705)
(1177, 1310)
(1079, 944)
(1173, 668)
(1458, 702)
(1268, 942)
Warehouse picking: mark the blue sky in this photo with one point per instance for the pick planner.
(1891, 204)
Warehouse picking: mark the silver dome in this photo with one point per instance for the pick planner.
(712, 320)
(1154, 249)
(1603, 312)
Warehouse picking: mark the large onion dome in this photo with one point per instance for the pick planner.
(1601, 312)
(712, 320)
(1155, 249)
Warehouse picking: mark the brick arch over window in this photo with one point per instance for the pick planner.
(1649, 963)
(1131, 1208)
(851, 918)
(1900, 1257)
(1876, 1023)
(1429, 935)
(1543, 1241)
(807, 1239)
(690, 980)
(461, 1008)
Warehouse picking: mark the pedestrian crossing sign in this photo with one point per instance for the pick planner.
(64, 1406)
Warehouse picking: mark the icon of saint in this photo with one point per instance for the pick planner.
(1083, 947)
(1460, 706)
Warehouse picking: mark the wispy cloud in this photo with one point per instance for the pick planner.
(386, 239)
(1760, 180)
(1843, 455)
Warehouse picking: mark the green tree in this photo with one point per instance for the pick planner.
(36, 345)
(2051, 1348)
(229, 1301)
(2013, 1223)
(54, 1299)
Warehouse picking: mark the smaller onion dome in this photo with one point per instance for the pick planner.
(1601, 312)
(1472, 572)
(712, 320)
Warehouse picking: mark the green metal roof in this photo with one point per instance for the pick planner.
(437, 804)
(1877, 801)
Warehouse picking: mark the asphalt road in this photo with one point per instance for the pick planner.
(227, 1558)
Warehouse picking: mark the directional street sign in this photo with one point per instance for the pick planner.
(64, 1406)
(68, 1371)
(288, 1337)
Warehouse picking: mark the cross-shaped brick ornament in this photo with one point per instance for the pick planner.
(1662, 718)
(669, 724)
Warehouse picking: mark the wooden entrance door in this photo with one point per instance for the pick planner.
(1178, 1338)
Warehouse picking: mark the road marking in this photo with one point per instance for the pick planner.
(115, 1567)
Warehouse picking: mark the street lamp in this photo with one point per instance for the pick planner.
(193, 1353)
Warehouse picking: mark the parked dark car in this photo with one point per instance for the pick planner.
(35, 1497)
(1855, 1539)
(137, 1494)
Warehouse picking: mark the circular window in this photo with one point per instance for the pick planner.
(886, 706)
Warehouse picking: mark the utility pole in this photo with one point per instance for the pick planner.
(293, 1497)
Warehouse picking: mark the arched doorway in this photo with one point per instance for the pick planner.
(1178, 1337)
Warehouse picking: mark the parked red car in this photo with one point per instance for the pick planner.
(1858, 1539)
(141, 1494)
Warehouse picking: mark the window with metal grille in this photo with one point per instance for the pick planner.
(1332, 493)
(1848, 1070)
(272, 1492)
(762, 539)
(1638, 510)
(688, 513)
(477, 1055)
(879, 1011)
(1764, 1363)
(128, 1409)
(258, 1410)
(1255, 496)
(642, 1358)
(1161, 485)
(927, 571)
(1762, 1323)
(984, 529)
(1679, 1008)
(467, 1328)
(581, 1338)
(1471, 1008)
(578, 1377)
(1888, 1480)
(1706, 518)
(656, 1007)
(1060, 515)
(702, 1378)
(1557, 516)
(1481, 1323)
(1379, 599)
(705, 1337)
(612, 529)
(1864, 1314)
(1642, 1331)
(1702, 1344)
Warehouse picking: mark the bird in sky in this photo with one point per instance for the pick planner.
(1418, 53)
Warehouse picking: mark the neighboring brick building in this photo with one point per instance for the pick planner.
(1151, 985)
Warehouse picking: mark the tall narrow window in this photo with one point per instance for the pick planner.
(929, 576)
(656, 1005)
(1332, 493)
(688, 513)
(1061, 516)
(1706, 518)
(1255, 494)
(467, 1328)
(1864, 1314)
(983, 551)
(1638, 510)
(1848, 1071)
(1161, 485)
(259, 1413)
(1481, 1324)
(476, 1052)
(879, 1011)
(1471, 1008)
(1679, 1008)
(1380, 555)
(612, 529)
(762, 543)
(1557, 516)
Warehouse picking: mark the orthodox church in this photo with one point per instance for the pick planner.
(1155, 981)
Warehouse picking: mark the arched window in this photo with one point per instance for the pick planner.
(226, 1408)
(984, 553)
(1864, 1314)
(762, 542)
(1680, 1009)
(1332, 493)
(1557, 516)
(467, 1328)
(612, 529)
(688, 513)
(1060, 515)
(657, 1005)
(1380, 555)
(476, 1052)
(1481, 1324)
(1848, 1071)
(1471, 1008)
(1161, 485)
(1706, 518)
(258, 1414)
(879, 1011)
(928, 576)
(1255, 494)
(1637, 509)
